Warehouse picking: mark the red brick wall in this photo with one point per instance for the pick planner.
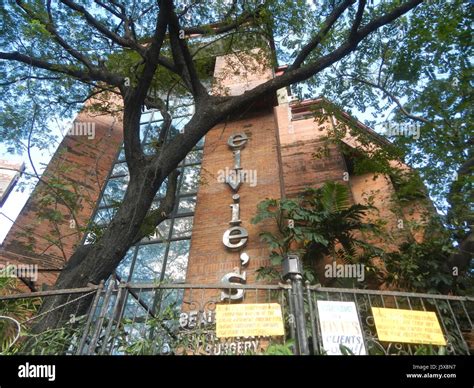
(300, 140)
(209, 259)
(83, 164)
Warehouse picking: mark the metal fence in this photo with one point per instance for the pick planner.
(455, 315)
(179, 319)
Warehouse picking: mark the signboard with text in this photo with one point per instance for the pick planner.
(409, 326)
(249, 320)
(340, 326)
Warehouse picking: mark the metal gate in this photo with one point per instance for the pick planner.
(455, 315)
(179, 319)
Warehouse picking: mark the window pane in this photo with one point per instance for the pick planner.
(143, 131)
(193, 157)
(190, 180)
(114, 191)
(151, 115)
(155, 204)
(180, 122)
(172, 300)
(153, 131)
(181, 106)
(149, 149)
(146, 117)
(172, 133)
(187, 205)
(177, 262)
(122, 154)
(90, 238)
(123, 269)
(162, 190)
(148, 266)
(104, 216)
(120, 169)
(148, 263)
(182, 227)
(136, 311)
(162, 232)
(200, 143)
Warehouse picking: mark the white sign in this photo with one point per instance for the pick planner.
(339, 324)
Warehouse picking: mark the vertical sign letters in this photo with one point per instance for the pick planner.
(235, 238)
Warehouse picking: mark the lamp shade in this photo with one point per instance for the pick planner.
(291, 266)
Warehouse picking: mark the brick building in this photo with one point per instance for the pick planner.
(273, 142)
(9, 175)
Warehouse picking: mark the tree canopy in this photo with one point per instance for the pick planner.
(409, 55)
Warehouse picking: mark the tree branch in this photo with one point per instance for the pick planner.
(212, 29)
(358, 18)
(387, 18)
(49, 26)
(293, 75)
(113, 11)
(135, 97)
(183, 59)
(316, 40)
(159, 104)
(19, 79)
(168, 64)
(157, 216)
(465, 170)
(392, 97)
(218, 108)
(82, 75)
(125, 42)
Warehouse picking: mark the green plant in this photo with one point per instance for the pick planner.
(17, 309)
(58, 341)
(429, 350)
(359, 162)
(420, 267)
(285, 349)
(408, 186)
(318, 223)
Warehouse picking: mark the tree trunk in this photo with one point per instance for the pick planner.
(93, 263)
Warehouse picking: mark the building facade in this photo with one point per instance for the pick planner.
(9, 175)
(266, 151)
(275, 148)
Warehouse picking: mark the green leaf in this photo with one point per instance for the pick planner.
(345, 350)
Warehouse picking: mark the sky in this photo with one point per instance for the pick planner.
(18, 197)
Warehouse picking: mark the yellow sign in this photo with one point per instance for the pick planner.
(248, 320)
(416, 327)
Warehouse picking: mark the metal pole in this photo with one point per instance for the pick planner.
(313, 320)
(118, 305)
(291, 310)
(299, 314)
(89, 318)
(100, 319)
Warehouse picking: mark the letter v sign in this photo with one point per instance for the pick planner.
(234, 182)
